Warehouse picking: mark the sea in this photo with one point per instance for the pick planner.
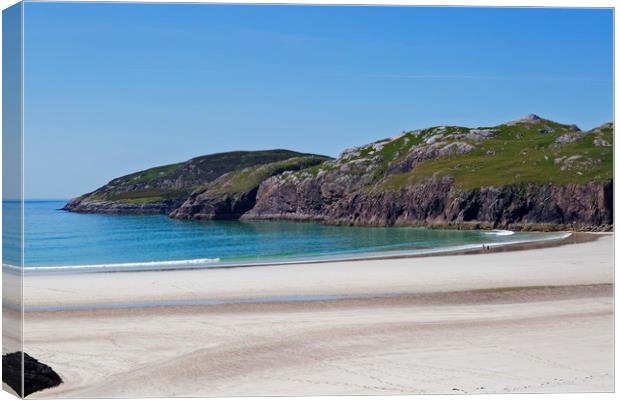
(57, 241)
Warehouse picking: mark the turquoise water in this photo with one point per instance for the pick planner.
(55, 238)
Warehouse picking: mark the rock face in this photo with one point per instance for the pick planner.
(161, 190)
(37, 376)
(233, 194)
(438, 202)
(92, 205)
(531, 173)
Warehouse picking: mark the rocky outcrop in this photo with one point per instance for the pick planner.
(234, 194)
(95, 206)
(528, 119)
(37, 376)
(206, 205)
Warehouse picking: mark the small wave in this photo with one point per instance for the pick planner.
(123, 266)
(499, 232)
(11, 267)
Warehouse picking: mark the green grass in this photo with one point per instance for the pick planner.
(144, 196)
(153, 174)
(517, 154)
(249, 178)
(147, 185)
(140, 200)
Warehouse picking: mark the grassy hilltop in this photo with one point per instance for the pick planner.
(528, 150)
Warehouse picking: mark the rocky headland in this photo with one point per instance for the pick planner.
(163, 189)
(531, 173)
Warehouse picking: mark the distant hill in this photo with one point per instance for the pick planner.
(531, 173)
(161, 190)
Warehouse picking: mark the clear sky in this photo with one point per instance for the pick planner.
(115, 88)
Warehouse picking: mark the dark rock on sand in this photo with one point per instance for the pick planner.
(37, 376)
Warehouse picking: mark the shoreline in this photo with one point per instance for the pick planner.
(570, 237)
(539, 264)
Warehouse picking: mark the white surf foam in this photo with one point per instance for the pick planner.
(124, 266)
(499, 232)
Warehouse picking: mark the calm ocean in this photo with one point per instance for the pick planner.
(55, 238)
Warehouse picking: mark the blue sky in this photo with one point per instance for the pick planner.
(115, 88)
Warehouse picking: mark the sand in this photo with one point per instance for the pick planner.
(583, 263)
(525, 321)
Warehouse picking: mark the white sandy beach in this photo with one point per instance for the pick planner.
(452, 325)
